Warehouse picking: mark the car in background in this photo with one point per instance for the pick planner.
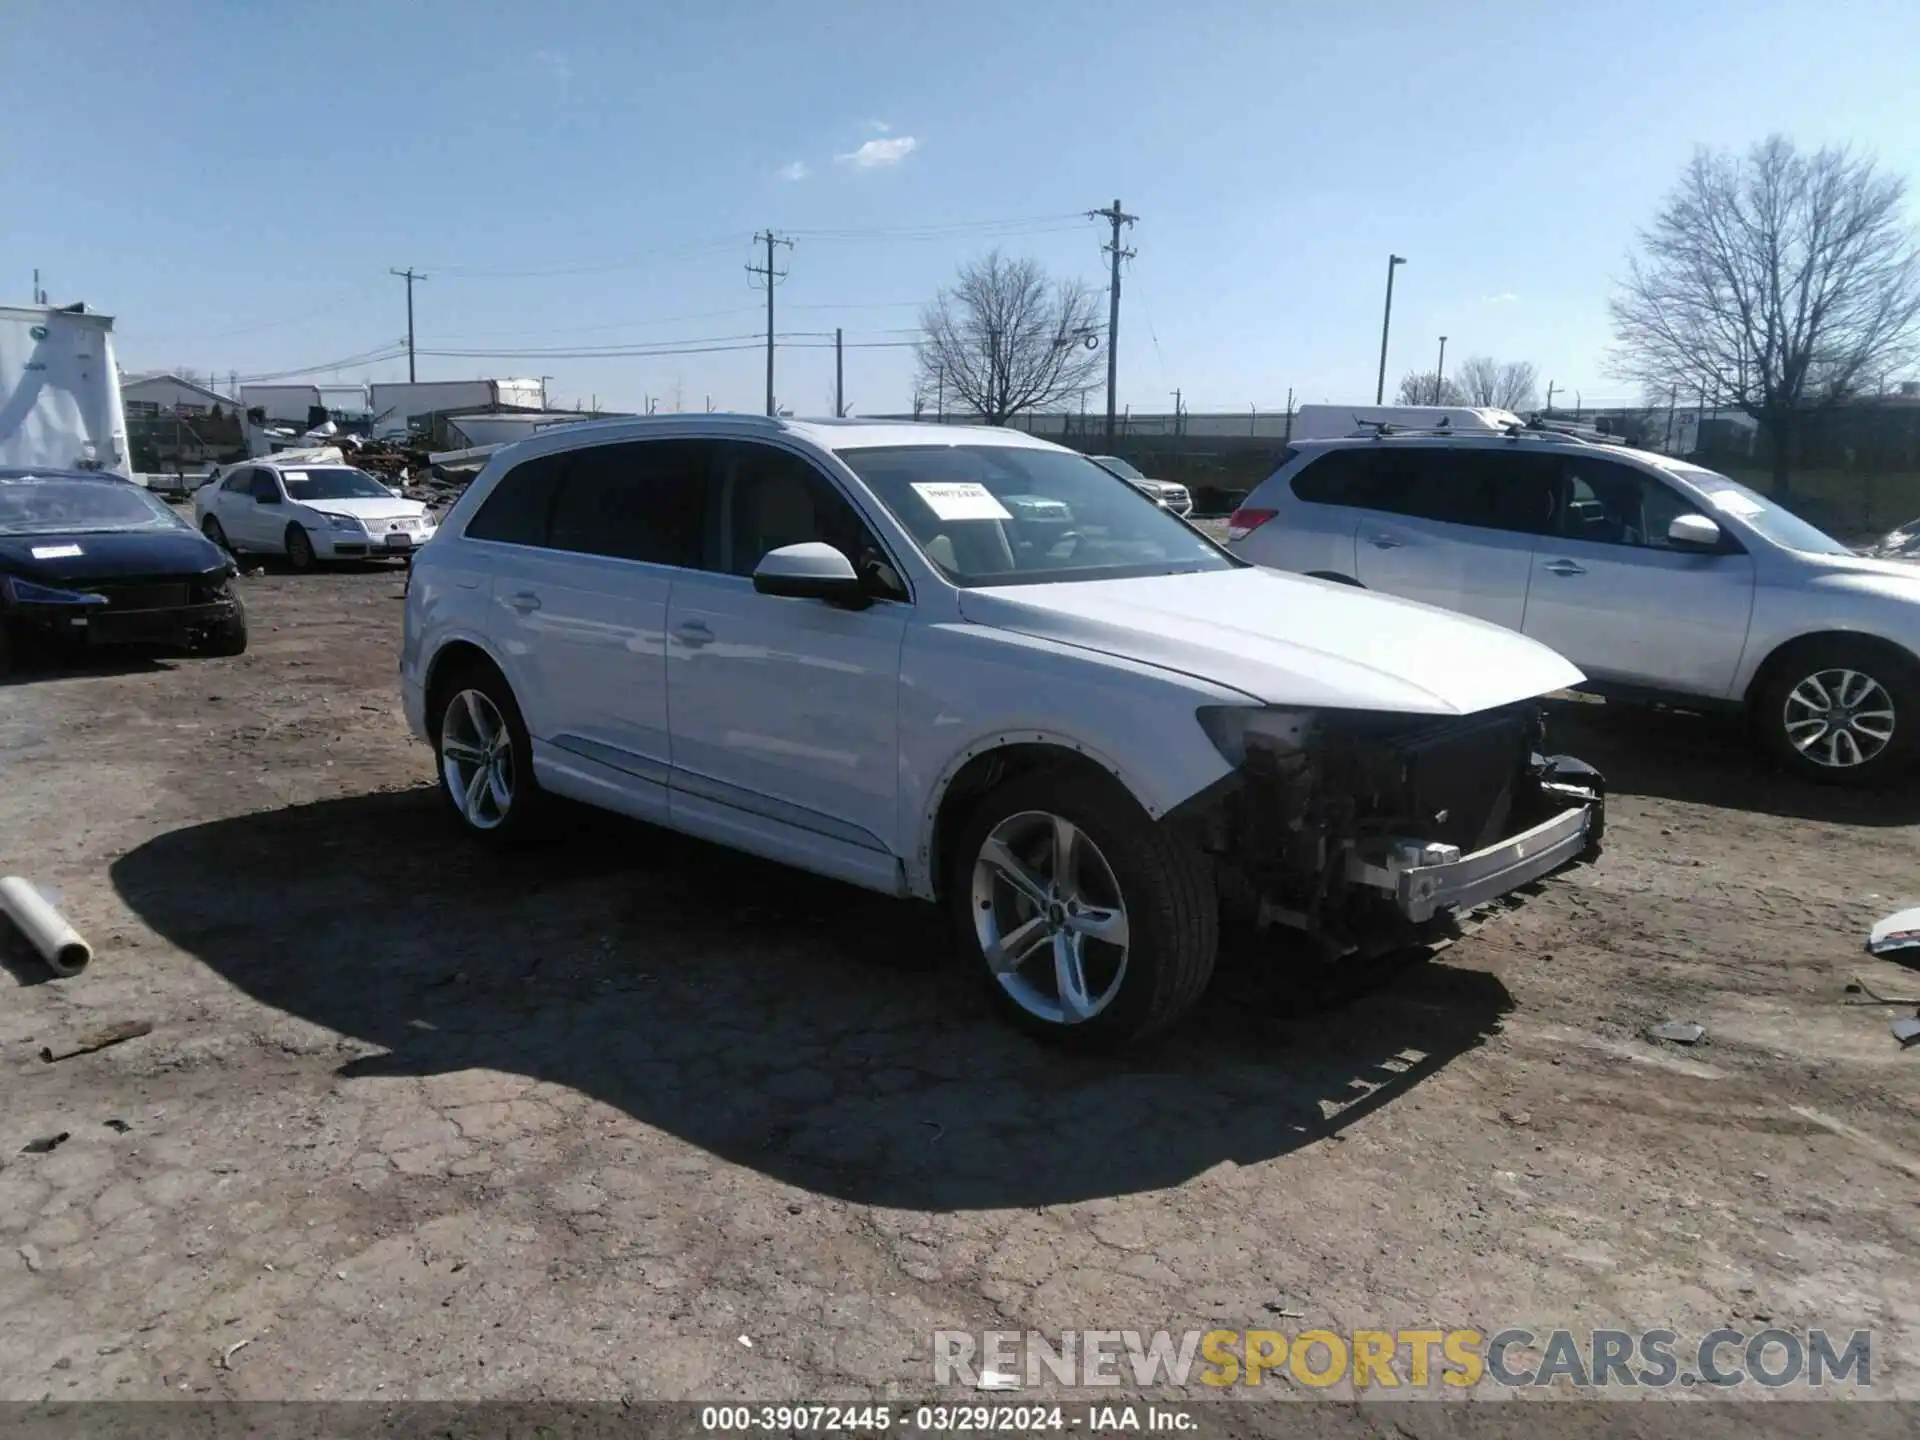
(1657, 578)
(847, 646)
(89, 559)
(308, 512)
(1172, 496)
(1900, 543)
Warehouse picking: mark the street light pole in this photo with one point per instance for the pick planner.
(1440, 372)
(1380, 389)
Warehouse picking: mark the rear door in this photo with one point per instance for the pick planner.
(1613, 594)
(1455, 527)
(583, 617)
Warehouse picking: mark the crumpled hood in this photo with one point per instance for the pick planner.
(1287, 639)
(107, 554)
(373, 507)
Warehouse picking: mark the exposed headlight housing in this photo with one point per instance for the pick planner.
(1236, 729)
(25, 592)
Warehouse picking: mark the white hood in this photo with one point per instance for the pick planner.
(373, 507)
(1287, 639)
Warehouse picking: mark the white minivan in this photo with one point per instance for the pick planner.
(965, 665)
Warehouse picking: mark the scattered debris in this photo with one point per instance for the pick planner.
(746, 1342)
(1274, 1307)
(119, 1127)
(1517, 1117)
(100, 1039)
(226, 1355)
(1681, 1032)
(43, 927)
(1869, 997)
(1899, 931)
(32, 1257)
(997, 1380)
(1907, 1031)
(45, 1144)
(937, 1128)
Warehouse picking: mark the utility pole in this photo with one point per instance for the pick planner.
(770, 277)
(1673, 399)
(1176, 410)
(409, 276)
(1289, 434)
(839, 379)
(1549, 397)
(1116, 217)
(1440, 371)
(1380, 386)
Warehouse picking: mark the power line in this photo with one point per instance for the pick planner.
(393, 350)
(771, 278)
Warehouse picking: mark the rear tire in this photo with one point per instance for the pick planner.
(1843, 711)
(299, 549)
(484, 757)
(1117, 952)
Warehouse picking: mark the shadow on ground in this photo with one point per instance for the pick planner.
(789, 1024)
(1708, 759)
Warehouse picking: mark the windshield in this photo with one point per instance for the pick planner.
(1782, 527)
(1118, 467)
(32, 506)
(1007, 515)
(336, 482)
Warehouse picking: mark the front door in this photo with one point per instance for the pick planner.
(784, 712)
(261, 513)
(1455, 528)
(1617, 598)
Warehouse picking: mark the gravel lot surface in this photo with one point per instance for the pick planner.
(417, 1121)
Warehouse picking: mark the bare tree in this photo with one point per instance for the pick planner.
(1424, 387)
(1509, 385)
(1006, 338)
(1777, 280)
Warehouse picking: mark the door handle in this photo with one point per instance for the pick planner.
(693, 634)
(524, 601)
(1564, 567)
(1385, 542)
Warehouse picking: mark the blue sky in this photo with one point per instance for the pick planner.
(233, 181)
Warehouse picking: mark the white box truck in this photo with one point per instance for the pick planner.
(60, 403)
(395, 404)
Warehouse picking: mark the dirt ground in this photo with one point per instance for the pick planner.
(417, 1121)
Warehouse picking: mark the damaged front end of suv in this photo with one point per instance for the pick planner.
(1371, 832)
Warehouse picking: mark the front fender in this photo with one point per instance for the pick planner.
(967, 690)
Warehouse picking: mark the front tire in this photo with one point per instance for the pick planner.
(1088, 923)
(485, 758)
(229, 637)
(1841, 712)
(216, 532)
(299, 548)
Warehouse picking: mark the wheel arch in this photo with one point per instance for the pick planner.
(1336, 577)
(1783, 654)
(982, 767)
(451, 659)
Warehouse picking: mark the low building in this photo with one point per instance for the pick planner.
(168, 394)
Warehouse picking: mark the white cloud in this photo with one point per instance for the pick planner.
(876, 153)
(1505, 297)
(796, 171)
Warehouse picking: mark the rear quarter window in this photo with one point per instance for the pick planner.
(517, 511)
(1338, 477)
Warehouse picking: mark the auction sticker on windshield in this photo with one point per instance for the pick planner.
(961, 500)
(55, 552)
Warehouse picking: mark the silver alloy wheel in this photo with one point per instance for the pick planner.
(1050, 919)
(476, 760)
(1839, 718)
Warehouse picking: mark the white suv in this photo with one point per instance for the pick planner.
(1657, 578)
(963, 664)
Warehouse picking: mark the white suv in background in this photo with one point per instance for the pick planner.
(1175, 496)
(1657, 578)
(963, 664)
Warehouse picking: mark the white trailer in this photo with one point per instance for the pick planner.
(289, 404)
(394, 405)
(60, 400)
(1331, 422)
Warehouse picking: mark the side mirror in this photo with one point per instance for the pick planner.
(809, 571)
(1694, 532)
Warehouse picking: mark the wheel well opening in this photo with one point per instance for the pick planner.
(1788, 651)
(454, 660)
(986, 772)
(1336, 578)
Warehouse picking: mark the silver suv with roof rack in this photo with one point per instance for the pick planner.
(1657, 578)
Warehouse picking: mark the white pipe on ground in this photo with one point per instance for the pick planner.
(57, 941)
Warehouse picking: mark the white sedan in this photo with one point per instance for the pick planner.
(308, 512)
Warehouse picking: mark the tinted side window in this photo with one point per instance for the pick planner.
(1339, 477)
(776, 498)
(517, 510)
(1489, 489)
(1614, 504)
(639, 500)
(263, 486)
(238, 483)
